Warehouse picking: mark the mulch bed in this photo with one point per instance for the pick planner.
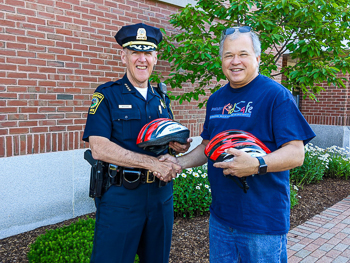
(190, 236)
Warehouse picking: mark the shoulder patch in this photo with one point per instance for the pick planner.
(95, 102)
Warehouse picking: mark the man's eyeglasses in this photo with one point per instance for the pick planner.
(242, 29)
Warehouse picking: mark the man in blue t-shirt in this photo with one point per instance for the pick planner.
(252, 226)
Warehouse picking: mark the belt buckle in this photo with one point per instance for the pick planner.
(148, 180)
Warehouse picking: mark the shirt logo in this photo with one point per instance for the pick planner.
(95, 102)
(238, 109)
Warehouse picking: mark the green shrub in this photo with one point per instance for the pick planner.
(331, 162)
(71, 243)
(313, 169)
(294, 198)
(338, 162)
(319, 163)
(192, 195)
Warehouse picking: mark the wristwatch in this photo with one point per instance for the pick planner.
(262, 166)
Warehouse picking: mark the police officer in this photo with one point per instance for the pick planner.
(136, 215)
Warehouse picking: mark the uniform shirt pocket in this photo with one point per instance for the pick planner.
(124, 123)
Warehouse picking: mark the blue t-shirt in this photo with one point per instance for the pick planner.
(267, 110)
(118, 112)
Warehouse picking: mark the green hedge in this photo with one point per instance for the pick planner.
(71, 243)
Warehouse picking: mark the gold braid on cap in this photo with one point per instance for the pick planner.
(139, 43)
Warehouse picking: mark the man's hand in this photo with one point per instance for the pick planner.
(166, 169)
(180, 148)
(242, 164)
(170, 158)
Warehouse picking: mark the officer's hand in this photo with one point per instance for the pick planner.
(170, 158)
(242, 164)
(166, 170)
(181, 148)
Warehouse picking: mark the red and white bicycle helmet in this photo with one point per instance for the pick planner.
(241, 140)
(156, 135)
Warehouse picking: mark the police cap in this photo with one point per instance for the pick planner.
(139, 37)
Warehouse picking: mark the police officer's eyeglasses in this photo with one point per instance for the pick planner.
(242, 29)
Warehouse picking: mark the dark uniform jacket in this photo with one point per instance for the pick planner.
(118, 112)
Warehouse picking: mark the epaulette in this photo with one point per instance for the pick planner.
(109, 84)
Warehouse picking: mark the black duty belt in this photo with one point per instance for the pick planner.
(131, 178)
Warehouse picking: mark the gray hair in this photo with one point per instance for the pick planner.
(254, 37)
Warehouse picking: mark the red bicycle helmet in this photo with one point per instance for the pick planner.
(241, 140)
(156, 135)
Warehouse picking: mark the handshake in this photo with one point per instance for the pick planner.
(169, 166)
(160, 135)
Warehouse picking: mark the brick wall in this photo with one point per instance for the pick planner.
(332, 108)
(53, 54)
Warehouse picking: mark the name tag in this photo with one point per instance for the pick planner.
(125, 106)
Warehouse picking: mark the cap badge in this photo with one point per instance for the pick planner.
(141, 34)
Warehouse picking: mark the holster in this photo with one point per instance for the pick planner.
(96, 180)
(97, 172)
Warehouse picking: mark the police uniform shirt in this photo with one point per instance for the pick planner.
(118, 112)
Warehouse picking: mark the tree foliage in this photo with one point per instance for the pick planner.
(314, 32)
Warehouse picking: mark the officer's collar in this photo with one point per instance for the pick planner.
(129, 88)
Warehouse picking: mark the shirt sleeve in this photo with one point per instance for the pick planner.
(99, 121)
(289, 124)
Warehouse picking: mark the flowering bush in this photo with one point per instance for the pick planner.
(319, 163)
(294, 198)
(338, 162)
(313, 169)
(192, 195)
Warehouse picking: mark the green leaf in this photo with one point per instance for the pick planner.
(312, 31)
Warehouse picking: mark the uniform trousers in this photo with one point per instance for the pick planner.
(130, 222)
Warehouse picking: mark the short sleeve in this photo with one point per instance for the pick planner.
(98, 121)
(289, 124)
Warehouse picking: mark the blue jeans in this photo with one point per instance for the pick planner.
(228, 245)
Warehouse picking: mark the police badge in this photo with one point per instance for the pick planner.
(141, 34)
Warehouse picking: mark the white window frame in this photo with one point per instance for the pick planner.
(181, 3)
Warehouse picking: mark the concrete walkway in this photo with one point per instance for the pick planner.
(324, 238)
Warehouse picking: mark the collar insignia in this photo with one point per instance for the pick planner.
(126, 85)
(162, 103)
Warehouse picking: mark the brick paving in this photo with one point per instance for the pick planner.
(324, 238)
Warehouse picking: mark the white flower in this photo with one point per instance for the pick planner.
(200, 171)
(195, 174)
(197, 187)
(204, 175)
(207, 186)
(190, 170)
(183, 175)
